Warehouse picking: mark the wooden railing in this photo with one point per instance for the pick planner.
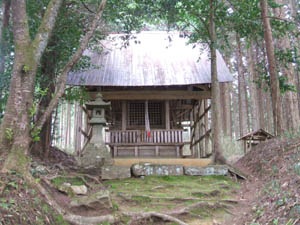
(141, 136)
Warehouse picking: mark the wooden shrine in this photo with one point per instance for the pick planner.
(253, 138)
(159, 90)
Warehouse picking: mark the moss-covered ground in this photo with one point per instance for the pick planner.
(170, 193)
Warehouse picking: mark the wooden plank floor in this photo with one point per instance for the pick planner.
(175, 161)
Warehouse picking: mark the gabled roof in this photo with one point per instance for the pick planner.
(151, 59)
(259, 134)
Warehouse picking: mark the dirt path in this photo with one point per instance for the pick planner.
(246, 195)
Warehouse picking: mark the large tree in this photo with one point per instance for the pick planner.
(16, 128)
(274, 81)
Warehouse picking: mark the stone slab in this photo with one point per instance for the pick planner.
(98, 200)
(148, 169)
(206, 171)
(115, 172)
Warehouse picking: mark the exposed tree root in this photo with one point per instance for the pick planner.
(88, 176)
(129, 197)
(83, 220)
(69, 217)
(139, 216)
(134, 216)
(185, 210)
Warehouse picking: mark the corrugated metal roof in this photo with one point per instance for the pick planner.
(150, 59)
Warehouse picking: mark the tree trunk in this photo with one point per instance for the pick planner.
(68, 120)
(242, 90)
(253, 88)
(48, 63)
(62, 124)
(275, 90)
(231, 98)
(215, 101)
(16, 120)
(294, 7)
(235, 113)
(290, 98)
(3, 47)
(3, 32)
(225, 107)
(260, 92)
(21, 94)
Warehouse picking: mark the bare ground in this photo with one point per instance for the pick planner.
(271, 195)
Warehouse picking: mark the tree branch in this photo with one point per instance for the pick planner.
(86, 7)
(68, 67)
(41, 38)
(20, 25)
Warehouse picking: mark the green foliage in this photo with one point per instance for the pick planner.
(284, 86)
(76, 94)
(42, 92)
(9, 133)
(26, 68)
(141, 199)
(105, 223)
(60, 220)
(32, 110)
(72, 180)
(115, 206)
(35, 134)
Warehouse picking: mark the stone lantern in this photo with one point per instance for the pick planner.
(97, 154)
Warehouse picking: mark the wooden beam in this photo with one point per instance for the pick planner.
(167, 114)
(124, 115)
(86, 135)
(145, 144)
(205, 87)
(203, 114)
(202, 137)
(155, 95)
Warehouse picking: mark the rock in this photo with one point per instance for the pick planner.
(72, 189)
(65, 188)
(38, 169)
(96, 201)
(115, 172)
(206, 171)
(148, 169)
(79, 189)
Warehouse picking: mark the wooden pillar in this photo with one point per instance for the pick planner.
(156, 150)
(167, 115)
(196, 129)
(192, 132)
(206, 129)
(115, 151)
(124, 115)
(178, 151)
(201, 130)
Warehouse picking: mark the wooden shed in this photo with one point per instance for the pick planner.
(158, 87)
